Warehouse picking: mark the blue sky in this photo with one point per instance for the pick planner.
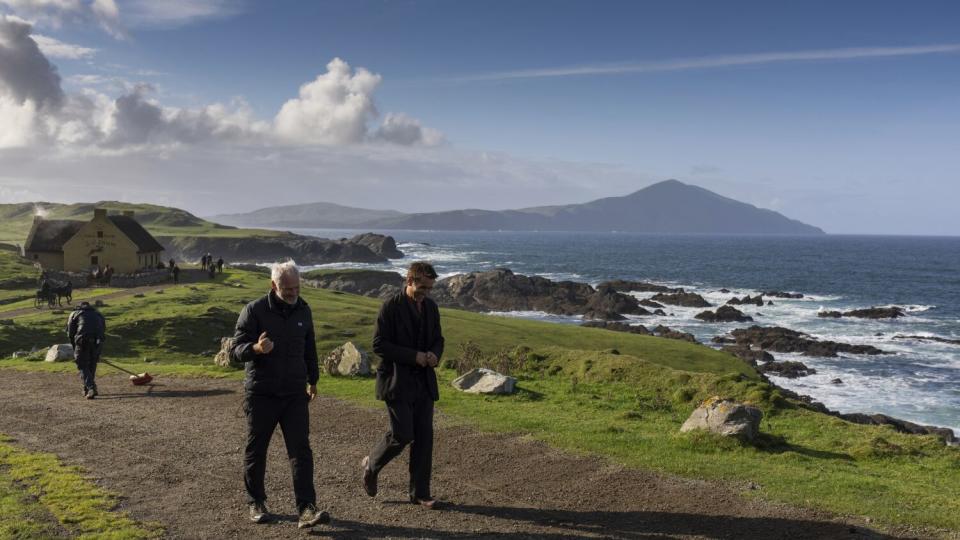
(844, 115)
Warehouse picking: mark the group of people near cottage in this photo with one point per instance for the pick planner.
(274, 339)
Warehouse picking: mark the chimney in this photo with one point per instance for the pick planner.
(128, 213)
(99, 213)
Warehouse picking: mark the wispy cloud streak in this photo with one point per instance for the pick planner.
(707, 62)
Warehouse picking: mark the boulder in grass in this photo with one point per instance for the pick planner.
(725, 417)
(224, 358)
(485, 381)
(347, 360)
(59, 353)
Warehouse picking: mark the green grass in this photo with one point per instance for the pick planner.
(16, 273)
(585, 390)
(36, 489)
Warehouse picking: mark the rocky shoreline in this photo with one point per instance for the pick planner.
(363, 248)
(501, 290)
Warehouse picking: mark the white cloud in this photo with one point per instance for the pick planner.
(54, 48)
(55, 13)
(169, 13)
(401, 129)
(333, 109)
(706, 62)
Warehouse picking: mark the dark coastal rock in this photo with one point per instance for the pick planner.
(724, 291)
(868, 313)
(684, 299)
(781, 294)
(382, 245)
(788, 369)
(502, 290)
(660, 312)
(746, 300)
(602, 315)
(637, 286)
(669, 333)
(618, 327)
(748, 355)
(372, 283)
(254, 249)
(876, 313)
(723, 314)
(903, 426)
(778, 339)
(929, 338)
(650, 303)
(607, 299)
(723, 340)
(769, 302)
(836, 381)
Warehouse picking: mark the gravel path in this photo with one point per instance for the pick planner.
(173, 451)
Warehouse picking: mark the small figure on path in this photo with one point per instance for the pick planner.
(86, 329)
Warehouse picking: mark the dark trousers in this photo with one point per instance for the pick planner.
(86, 354)
(263, 415)
(411, 422)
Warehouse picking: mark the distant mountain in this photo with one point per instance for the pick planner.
(665, 207)
(307, 216)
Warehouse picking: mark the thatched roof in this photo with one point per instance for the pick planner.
(51, 234)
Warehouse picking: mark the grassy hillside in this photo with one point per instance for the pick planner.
(618, 395)
(15, 219)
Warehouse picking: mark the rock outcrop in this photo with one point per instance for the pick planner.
(347, 360)
(684, 299)
(867, 313)
(778, 339)
(382, 245)
(59, 353)
(223, 357)
(303, 249)
(725, 417)
(485, 381)
(789, 369)
(748, 355)
(746, 300)
(374, 283)
(502, 290)
(723, 314)
(780, 294)
(638, 286)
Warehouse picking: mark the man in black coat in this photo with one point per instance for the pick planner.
(274, 339)
(87, 329)
(409, 342)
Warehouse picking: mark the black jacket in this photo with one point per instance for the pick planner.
(292, 363)
(397, 338)
(86, 322)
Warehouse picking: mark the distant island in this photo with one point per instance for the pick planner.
(668, 207)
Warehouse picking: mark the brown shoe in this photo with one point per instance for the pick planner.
(428, 503)
(369, 478)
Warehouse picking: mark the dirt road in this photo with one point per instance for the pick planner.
(173, 451)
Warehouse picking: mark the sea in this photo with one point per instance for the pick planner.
(916, 380)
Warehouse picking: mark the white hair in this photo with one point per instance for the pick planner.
(285, 268)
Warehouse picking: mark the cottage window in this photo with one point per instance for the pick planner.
(99, 234)
(95, 261)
